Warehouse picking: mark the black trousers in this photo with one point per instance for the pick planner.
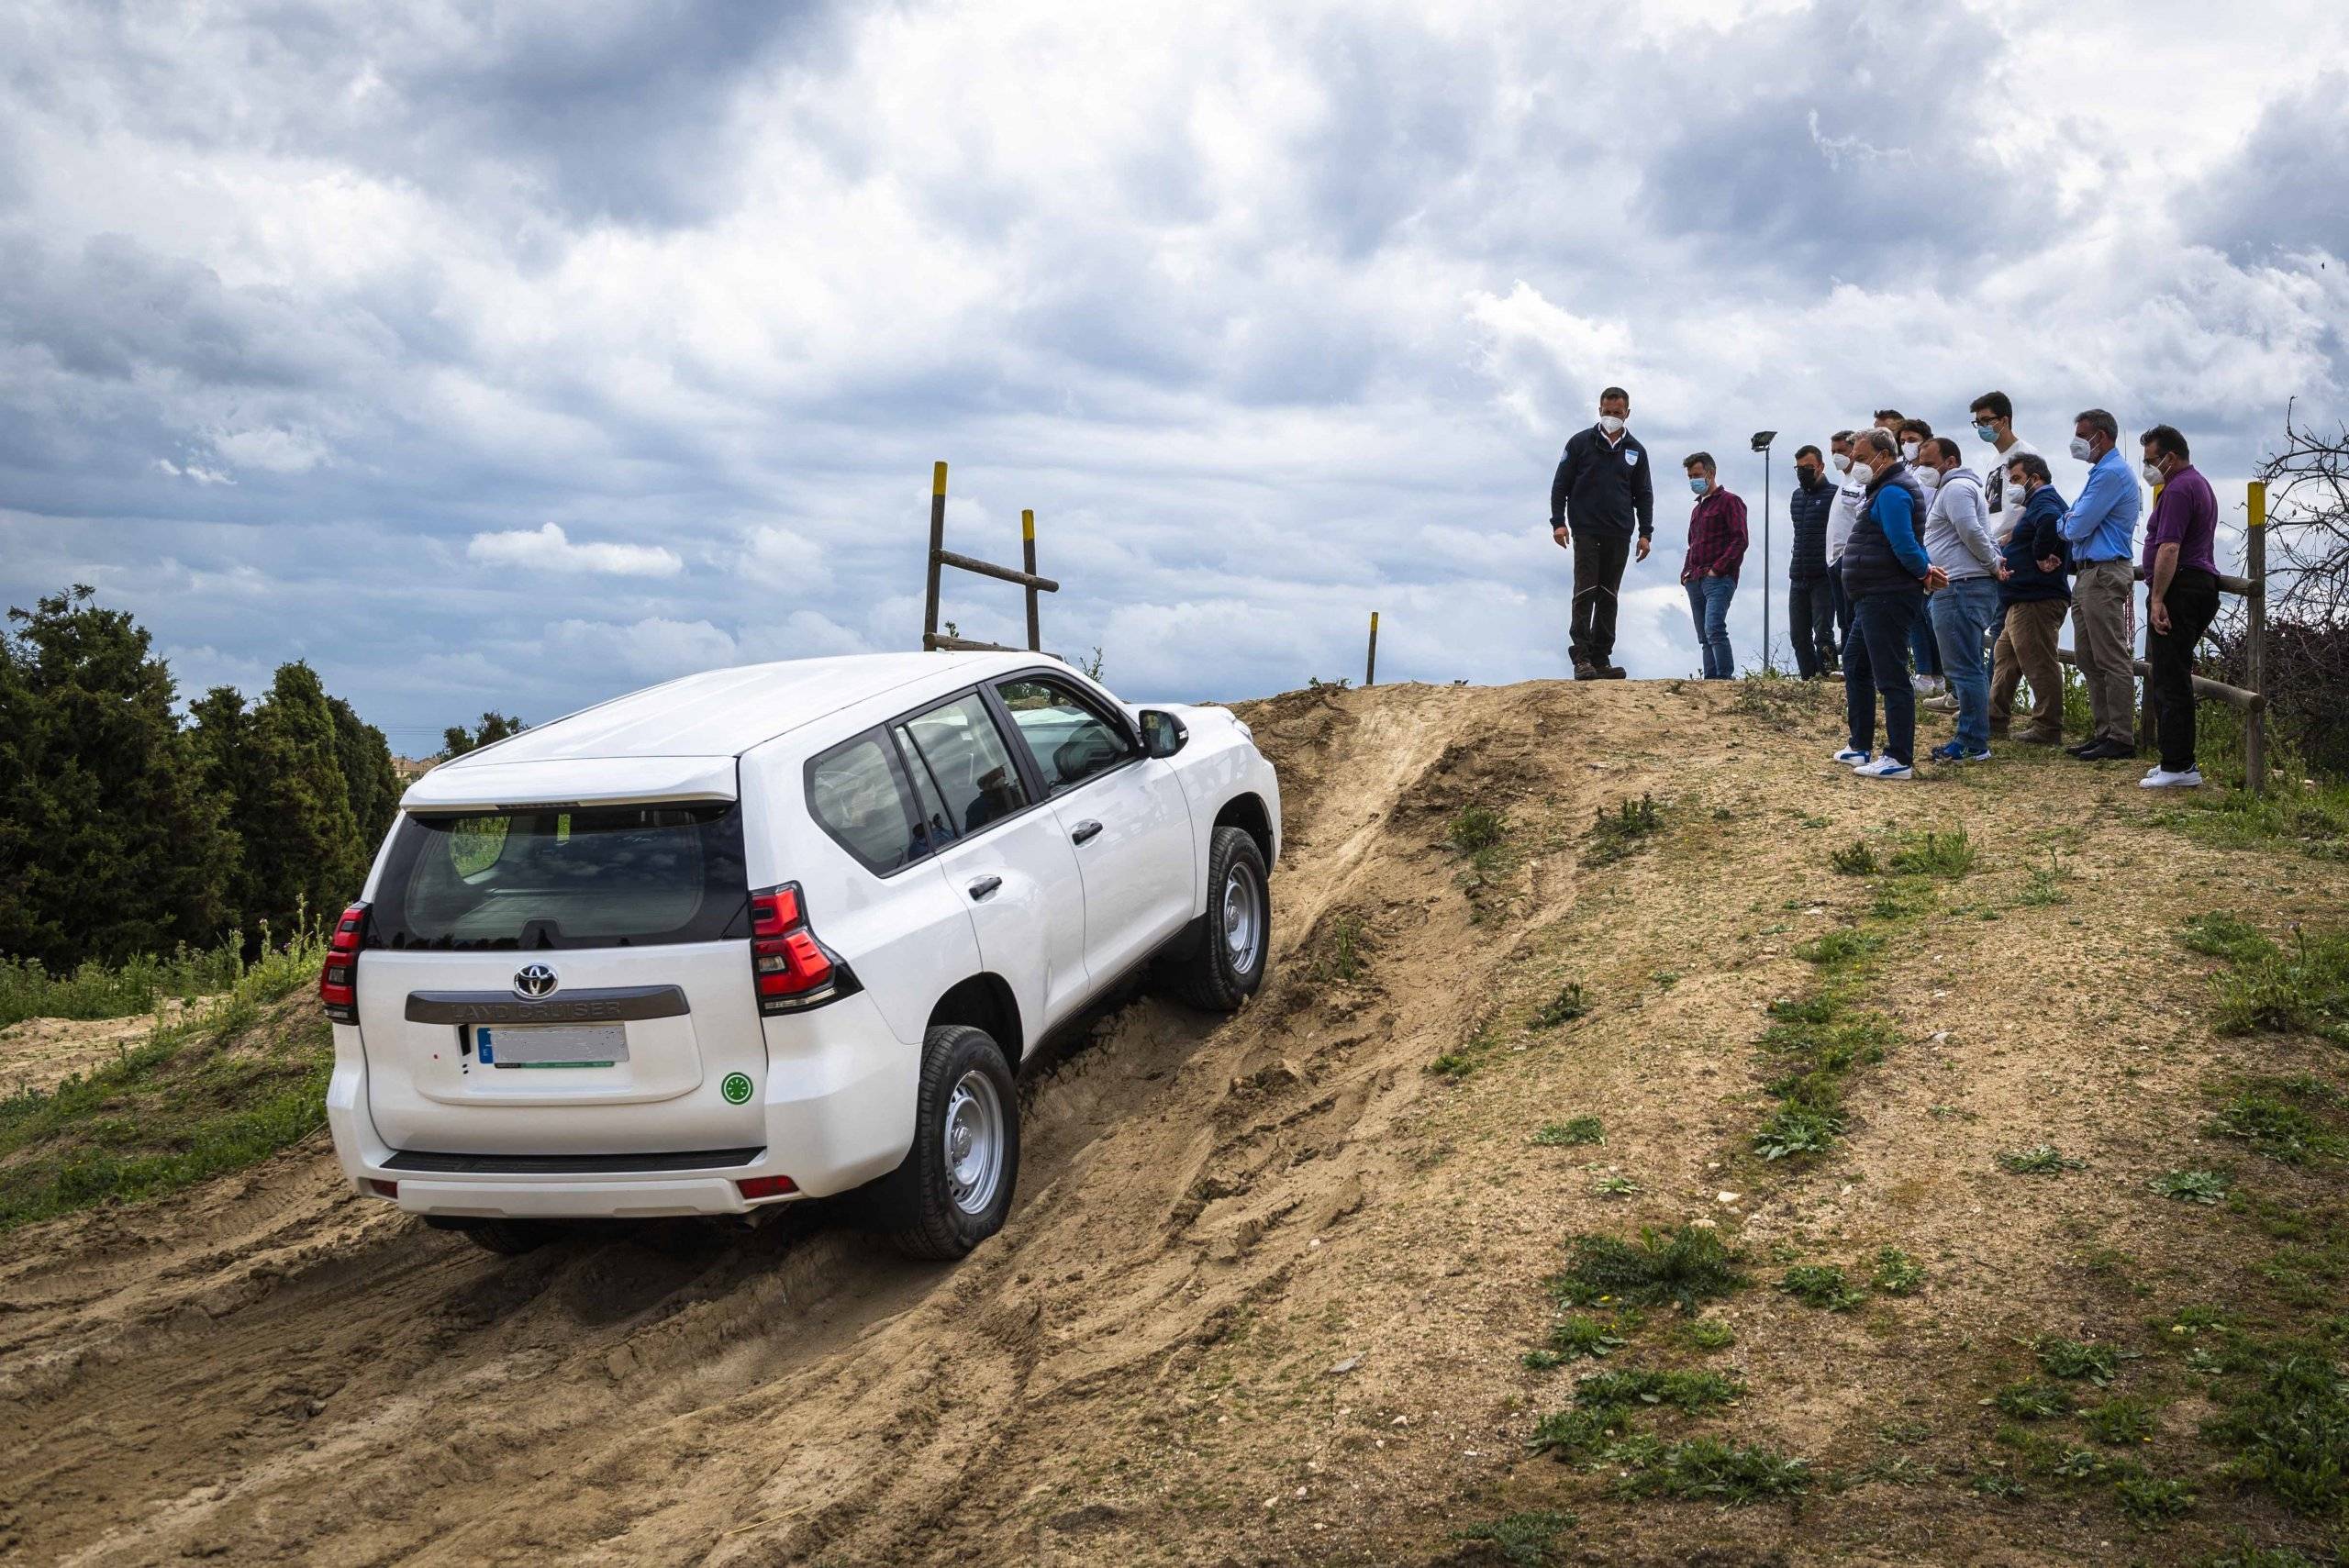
(2192, 601)
(1810, 621)
(1599, 574)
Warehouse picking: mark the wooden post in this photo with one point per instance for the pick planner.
(1027, 563)
(2255, 650)
(937, 543)
(1370, 663)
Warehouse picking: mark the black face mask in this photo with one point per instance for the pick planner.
(1810, 476)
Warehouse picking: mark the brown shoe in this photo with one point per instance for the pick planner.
(2034, 735)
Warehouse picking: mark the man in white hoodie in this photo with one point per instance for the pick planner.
(1851, 494)
(1957, 539)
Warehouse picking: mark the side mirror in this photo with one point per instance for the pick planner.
(1162, 734)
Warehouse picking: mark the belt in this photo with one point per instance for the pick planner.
(2106, 560)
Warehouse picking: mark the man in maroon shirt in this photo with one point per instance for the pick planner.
(1716, 546)
(2181, 596)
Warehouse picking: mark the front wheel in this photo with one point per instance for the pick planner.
(1220, 962)
(954, 1189)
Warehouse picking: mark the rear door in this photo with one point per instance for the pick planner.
(1121, 811)
(1004, 853)
(557, 979)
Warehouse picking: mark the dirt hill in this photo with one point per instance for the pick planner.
(1271, 1285)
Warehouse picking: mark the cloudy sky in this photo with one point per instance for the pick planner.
(511, 355)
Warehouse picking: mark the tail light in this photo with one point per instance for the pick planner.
(791, 969)
(754, 1188)
(338, 978)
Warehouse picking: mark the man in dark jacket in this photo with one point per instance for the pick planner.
(1811, 595)
(1602, 492)
(1887, 574)
(2036, 600)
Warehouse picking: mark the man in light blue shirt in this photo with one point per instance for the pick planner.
(2101, 528)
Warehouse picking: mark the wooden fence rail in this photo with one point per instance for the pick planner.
(939, 556)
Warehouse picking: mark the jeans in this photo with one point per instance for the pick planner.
(2192, 601)
(1599, 574)
(1923, 648)
(2102, 599)
(1842, 607)
(1709, 600)
(1810, 621)
(1961, 611)
(1875, 664)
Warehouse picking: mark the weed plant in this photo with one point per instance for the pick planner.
(1569, 1134)
(1620, 833)
(1680, 1267)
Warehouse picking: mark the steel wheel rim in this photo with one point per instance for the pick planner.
(973, 1141)
(1244, 918)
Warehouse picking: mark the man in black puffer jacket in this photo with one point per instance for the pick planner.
(1811, 595)
(1601, 492)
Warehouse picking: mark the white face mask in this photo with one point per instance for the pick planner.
(1843, 463)
(2081, 450)
(1610, 423)
(2154, 475)
(1908, 451)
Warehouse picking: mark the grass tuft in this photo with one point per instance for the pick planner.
(2072, 1358)
(2192, 1186)
(1680, 1267)
(1569, 1134)
(1709, 1470)
(1615, 835)
(2033, 1400)
(1523, 1541)
(1854, 859)
(2039, 1159)
(1947, 855)
(1822, 1286)
(1571, 1003)
(1897, 1274)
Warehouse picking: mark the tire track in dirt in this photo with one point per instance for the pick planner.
(273, 1368)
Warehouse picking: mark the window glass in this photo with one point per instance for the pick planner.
(853, 792)
(936, 828)
(967, 757)
(587, 876)
(1070, 741)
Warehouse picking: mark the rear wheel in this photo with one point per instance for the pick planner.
(954, 1189)
(1222, 961)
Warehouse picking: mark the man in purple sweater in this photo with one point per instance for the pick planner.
(1716, 547)
(2181, 596)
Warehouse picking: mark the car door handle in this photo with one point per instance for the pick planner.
(985, 887)
(1083, 831)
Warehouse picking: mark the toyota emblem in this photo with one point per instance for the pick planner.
(534, 980)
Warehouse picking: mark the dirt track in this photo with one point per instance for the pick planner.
(1151, 1363)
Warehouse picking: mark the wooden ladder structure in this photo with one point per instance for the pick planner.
(939, 556)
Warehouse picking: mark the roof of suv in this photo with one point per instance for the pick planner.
(724, 713)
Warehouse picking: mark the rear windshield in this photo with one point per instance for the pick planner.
(571, 877)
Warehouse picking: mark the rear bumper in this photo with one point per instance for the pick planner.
(837, 1105)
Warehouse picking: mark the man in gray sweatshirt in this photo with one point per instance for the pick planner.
(1958, 540)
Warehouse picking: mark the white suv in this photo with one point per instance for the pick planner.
(778, 932)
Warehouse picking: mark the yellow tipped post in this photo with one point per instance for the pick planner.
(1370, 661)
(1028, 563)
(937, 543)
(938, 478)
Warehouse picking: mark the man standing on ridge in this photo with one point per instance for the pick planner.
(2101, 529)
(1602, 493)
(1716, 546)
(1810, 601)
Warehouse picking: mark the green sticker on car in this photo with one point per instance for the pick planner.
(736, 1088)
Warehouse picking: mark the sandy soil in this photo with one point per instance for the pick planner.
(40, 1053)
(1264, 1294)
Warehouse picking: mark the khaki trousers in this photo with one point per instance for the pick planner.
(2026, 651)
(2101, 627)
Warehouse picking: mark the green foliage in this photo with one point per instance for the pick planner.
(1683, 1266)
(2120, 1420)
(1897, 1274)
(2249, 1554)
(1710, 1334)
(1453, 1064)
(1632, 1386)
(1340, 950)
(1523, 1541)
(1821, 1285)
(456, 741)
(1585, 1336)
(95, 990)
(2192, 1186)
(279, 767)
(2072, 1358)
(1568, 1134)
(110, 846)
(2267, 1118)
(1617, 834)
(2033, 1400)
(1709, 1470)
(1613, 1183)
(1949, 855)
(1571, 1003)
(2151, 1502)
(2039, 1159)
(1796, 1130)
(1854, 859)
(2221, 935)
(2302, 989)
(1839, 949)
(1477, 828)
(2289, 1425)
(1576, 1433)
(203, 1095)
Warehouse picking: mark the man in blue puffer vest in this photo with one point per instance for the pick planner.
(1886, 575)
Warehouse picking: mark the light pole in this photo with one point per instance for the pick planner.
(1761, 439)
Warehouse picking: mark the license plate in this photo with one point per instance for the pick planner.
(551, 1045)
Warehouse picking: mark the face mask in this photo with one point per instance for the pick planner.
(2154, 475)
(1697, 485)
(1908, 451)
(1843, 463)
(1810, 476)
(2081, 450)
(1987, 432)
(1610, 423)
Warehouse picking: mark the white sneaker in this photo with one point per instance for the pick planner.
(2162, 778)
(1852, 759)
(1886, 767)
(1926, 685)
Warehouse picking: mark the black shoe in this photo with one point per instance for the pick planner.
(1585, 671)
(2084, 748)
(2106, 752)
(1613, 671)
